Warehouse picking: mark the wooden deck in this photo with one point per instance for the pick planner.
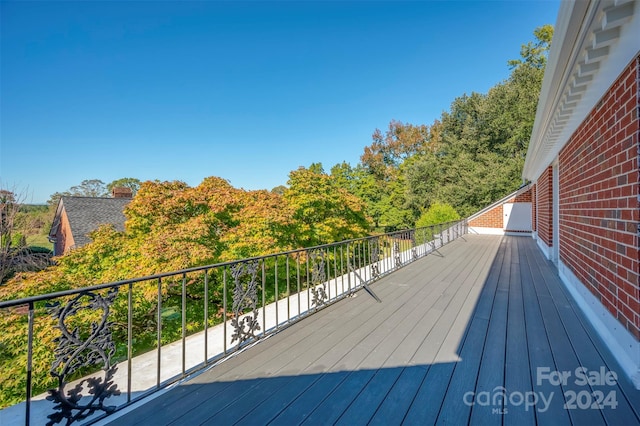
(476, 333)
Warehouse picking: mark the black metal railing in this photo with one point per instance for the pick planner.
(116, 343)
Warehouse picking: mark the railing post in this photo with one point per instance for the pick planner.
(184, 323)
(159, 331)
(298, 282)
(264, 300)
(342, 269)
(308, 285)
(288, 290)
(328, 266)
(129, 339)
(224, 309)
(206, 316)
(275, 284)
(348, 271)
(29, 363)
(335, 268)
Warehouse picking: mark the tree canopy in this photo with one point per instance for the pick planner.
(322, 211)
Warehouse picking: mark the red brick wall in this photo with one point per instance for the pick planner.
(544, 201)
(599, 210)
(64, 238)
(525, 197)
(490, 219)
(533, 207)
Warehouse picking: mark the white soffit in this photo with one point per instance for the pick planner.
(593, 43)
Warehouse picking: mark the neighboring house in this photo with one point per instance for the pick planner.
(76, 217)
(583, 163)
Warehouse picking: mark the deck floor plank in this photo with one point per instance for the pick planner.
(540, 354)
(517, 374)
(481, 313)
(491, 374)
(588, 357)
(561, 348)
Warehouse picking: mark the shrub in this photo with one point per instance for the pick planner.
(437, 213)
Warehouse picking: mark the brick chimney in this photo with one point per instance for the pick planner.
(121, 192)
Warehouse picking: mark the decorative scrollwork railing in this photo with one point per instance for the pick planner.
(397, 258)
(78, 348)
(374, 245)
(414, 249)
(245, 297)
(318, 277)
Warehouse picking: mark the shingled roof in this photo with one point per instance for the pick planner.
(86, 214)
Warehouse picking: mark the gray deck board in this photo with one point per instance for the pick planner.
(563, 353)
(491, 374)
(516, 369)
(587, 354)
(540, 354)
(481, 314)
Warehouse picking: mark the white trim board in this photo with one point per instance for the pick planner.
(546, 250)
(481, 230)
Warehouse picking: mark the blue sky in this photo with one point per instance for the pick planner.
(247, 91)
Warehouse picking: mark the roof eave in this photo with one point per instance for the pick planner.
(593, 43)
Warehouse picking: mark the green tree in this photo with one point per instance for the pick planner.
(263, 224)
(535, 53)
(384, 160)
(90, 188)
(15, 226)
(87, 188)
(437, 213)
(322, 211)
(422, 175)
(359, 182)
(280, 189)
(399, 142)
(395, 212)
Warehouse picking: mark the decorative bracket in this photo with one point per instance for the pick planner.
(318, 277)
(76, 350)
(375, 256)
(396, 254)
(245, 297)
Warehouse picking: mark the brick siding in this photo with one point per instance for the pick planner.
(544, 202)
(525, 197)
(489, 219)
(599, 200)
(64, 238)
(533, 208)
